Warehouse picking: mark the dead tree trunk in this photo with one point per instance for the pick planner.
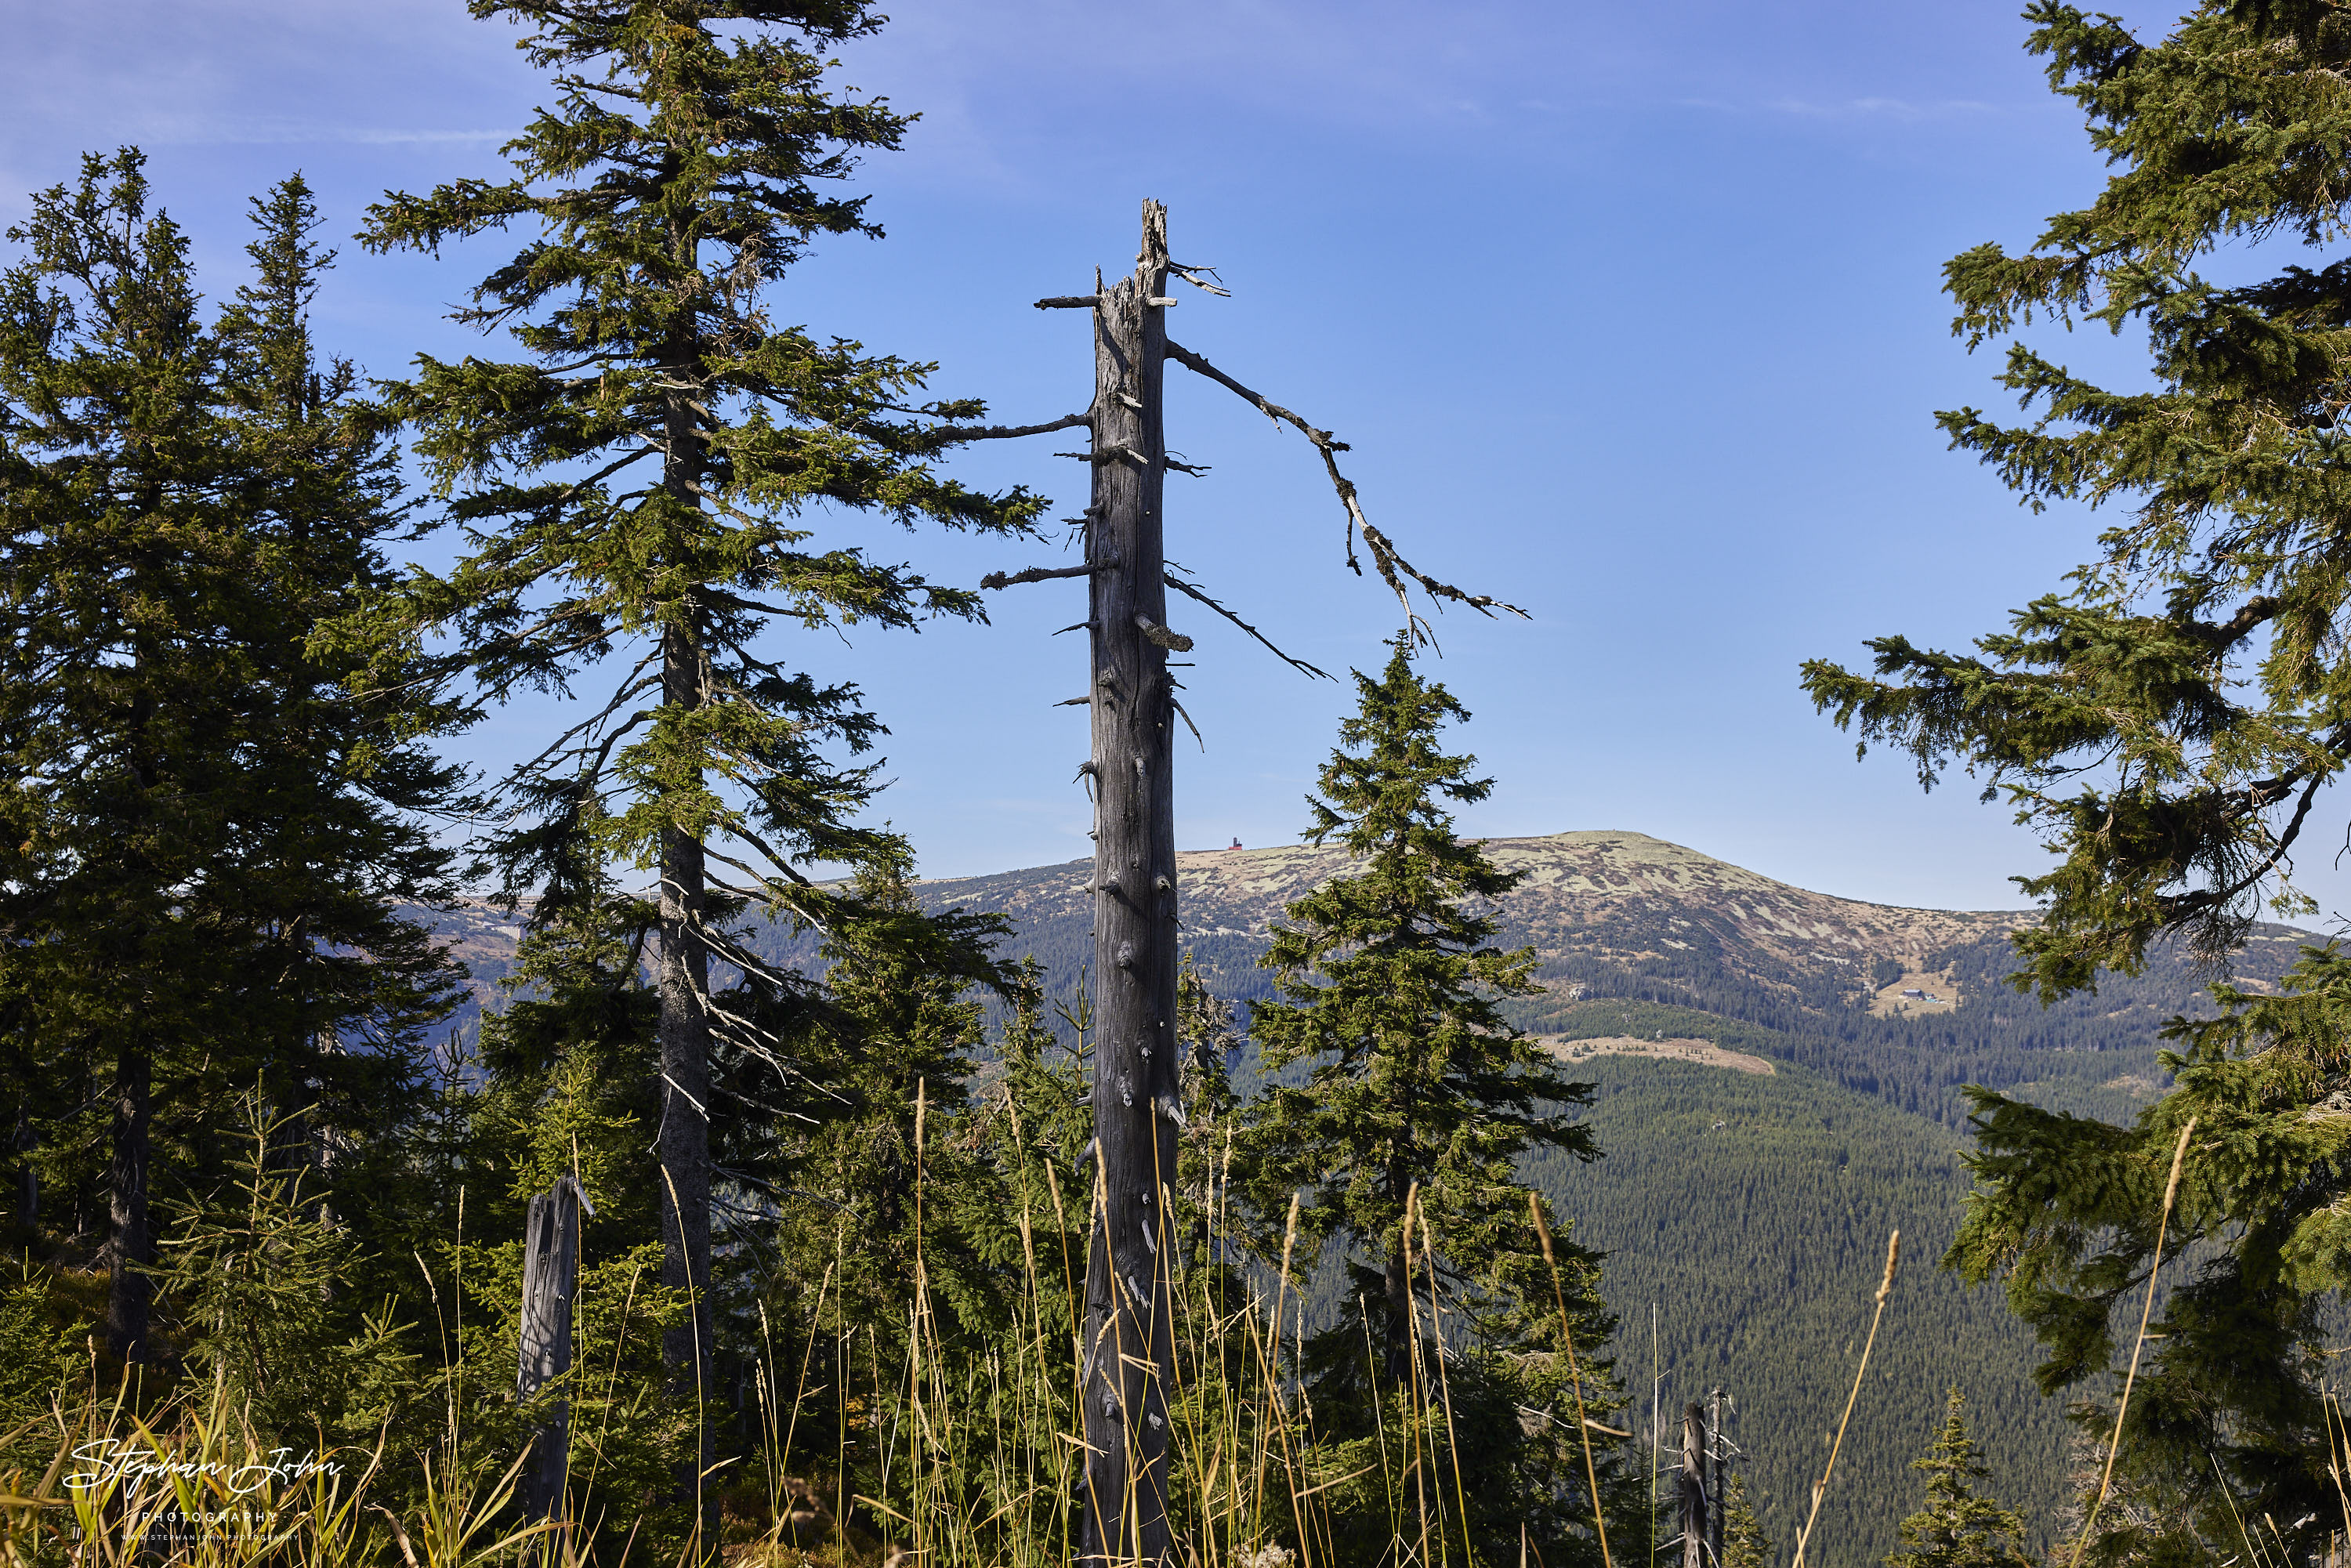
(551, 1279)
(1127, 1353)
(1718, 1474)
(1694, 1500)
(1128, 1348)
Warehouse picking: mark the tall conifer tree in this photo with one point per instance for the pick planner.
(644, 488)
(205, 835)
(1419, 1099)
(899, 1051)
(116, 552)
(2170, 722)
(1958, 1527)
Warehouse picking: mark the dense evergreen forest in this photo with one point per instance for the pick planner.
(626, 1157)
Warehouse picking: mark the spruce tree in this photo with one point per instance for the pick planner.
(2229, 1408)
(205, 835)
(1958, 1527)
(900, 1203)
(2168, 721)
(1417, 1097)
(330, 849)
(645, 485)
(1744, 1544)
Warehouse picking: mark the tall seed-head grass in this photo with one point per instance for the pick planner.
(1575, 1378)
(2155, 1267)
(1821, 1487)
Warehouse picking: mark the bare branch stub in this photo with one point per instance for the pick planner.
(998, 580)
(1390, 565)
(1155, 632)
(1195, 277)
(1006, 432)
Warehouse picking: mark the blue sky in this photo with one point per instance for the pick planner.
(1630, 313)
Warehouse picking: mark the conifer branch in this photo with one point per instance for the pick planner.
(2146, 1310)
(742, 831)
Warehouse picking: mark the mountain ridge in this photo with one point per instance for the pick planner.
(1753, 1204)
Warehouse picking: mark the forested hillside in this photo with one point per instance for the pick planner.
(1752, 1210)
(484, 1085)
(1759, 1239)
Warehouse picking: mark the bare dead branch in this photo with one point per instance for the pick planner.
(1180, 586)
(1188, 721)
(1004, 432)
(1193, 275)
(779, 861)
(1390, 565)
(1105, 455)
(1074, 702)
(1069, 302)
(996, 580)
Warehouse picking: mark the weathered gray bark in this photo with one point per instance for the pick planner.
(1693, 1477)
(1718, 1467)
(551, 1279)
(1127, 1345)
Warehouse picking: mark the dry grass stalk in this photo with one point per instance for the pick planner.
(1820, 1488)
(2334, 1465)
(1575, 1380)
(2147, 1310)
(1414, 1423)
(1445, 1386)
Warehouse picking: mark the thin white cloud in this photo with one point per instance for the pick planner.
(358, 134)
(1901, 108)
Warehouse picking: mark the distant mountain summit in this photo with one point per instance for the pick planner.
(1636, 936)
(1780, 1080)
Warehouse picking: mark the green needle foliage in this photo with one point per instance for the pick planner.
(1956, 1529)
(262, 1275)
(205, 835)
(1744, 1544)
(2228, 1410)
(900, 1047)
(1417, 1098)
(644, 488)
(2168, 720)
